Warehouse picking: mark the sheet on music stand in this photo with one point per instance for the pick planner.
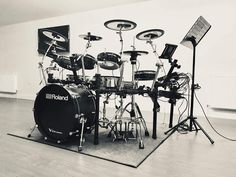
(198, 31)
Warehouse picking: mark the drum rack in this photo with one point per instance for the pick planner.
(153, 93)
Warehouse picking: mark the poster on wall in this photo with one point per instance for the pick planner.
(57, 37)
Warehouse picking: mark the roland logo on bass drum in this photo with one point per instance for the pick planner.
(56, 97)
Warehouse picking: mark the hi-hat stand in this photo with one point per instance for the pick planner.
(193, 37)
(135, 113)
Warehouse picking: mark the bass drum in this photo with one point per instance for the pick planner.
(57, 111)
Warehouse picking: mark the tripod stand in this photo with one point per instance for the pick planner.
(191, 118)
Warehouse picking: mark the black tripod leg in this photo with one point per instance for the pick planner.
(195, 126)
(156, 108)
(171, 115)
(96, 130)
(172, 130)
(154, 124)
(195, 121)
(97, 103)
(176, 126)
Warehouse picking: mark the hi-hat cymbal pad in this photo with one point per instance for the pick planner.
(135, 52)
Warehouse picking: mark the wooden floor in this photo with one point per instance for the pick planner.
(179, 156)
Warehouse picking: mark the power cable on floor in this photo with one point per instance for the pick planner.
(230, 139)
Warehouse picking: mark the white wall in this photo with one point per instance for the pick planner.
(215, 54)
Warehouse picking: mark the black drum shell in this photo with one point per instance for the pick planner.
(57, 110)
(144, 75)
(71, 77)
(65, 62)
(89, 62)
(109, 81)
(113, 59)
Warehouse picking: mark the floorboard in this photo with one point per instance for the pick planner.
(181, 155)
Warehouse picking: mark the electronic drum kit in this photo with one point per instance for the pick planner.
(67, 107)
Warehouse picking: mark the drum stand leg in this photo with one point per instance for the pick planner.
(138, 120)
(141, 144)
(82, 121)
(142, 120)
(104, 120)
(32, 130)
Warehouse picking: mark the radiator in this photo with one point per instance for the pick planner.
(8, 84)
(222, 94)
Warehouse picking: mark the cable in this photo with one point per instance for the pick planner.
(180, 107)
(183, 129)
(183, 86)
(230, 139)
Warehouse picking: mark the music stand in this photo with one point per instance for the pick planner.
(191, 40)
(196, 33)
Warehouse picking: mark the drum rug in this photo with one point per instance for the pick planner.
(119, 151)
